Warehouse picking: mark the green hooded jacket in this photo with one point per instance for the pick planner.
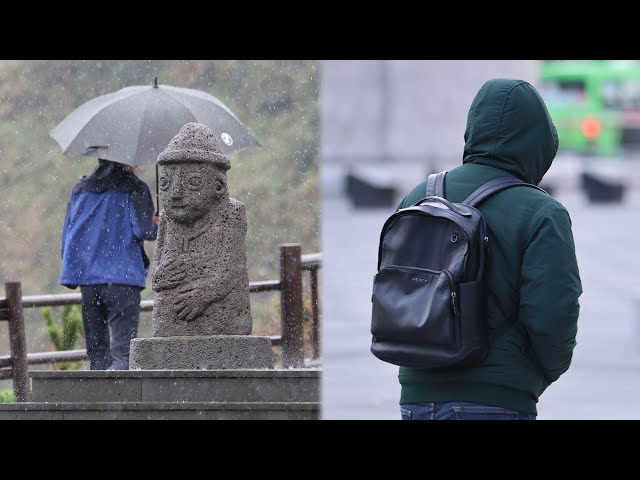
(533, 272)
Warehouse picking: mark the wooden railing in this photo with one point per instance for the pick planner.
(291, 340)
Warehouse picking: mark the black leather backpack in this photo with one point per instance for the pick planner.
(429, 295)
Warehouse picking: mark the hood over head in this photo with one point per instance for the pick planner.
(509, 127)
(108, 175)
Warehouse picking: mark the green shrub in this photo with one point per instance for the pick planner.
(6, 396)
(64, 332)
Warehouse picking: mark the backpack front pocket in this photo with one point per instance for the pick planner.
(414, 305)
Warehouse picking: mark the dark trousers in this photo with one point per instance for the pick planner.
(117, 306)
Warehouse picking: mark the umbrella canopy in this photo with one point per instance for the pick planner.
(134, 124)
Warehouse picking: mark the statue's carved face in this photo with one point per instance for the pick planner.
(189, 190)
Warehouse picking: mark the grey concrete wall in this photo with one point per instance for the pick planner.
(403, 110)
(350, 107)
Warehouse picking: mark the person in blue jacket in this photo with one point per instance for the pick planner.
(109, 216)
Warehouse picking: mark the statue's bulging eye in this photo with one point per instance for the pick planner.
(195, 182)
(164, 183)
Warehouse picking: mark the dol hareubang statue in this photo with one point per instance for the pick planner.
(200, 269)
(201, 311)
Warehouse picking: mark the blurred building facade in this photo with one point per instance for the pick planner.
(403, 110)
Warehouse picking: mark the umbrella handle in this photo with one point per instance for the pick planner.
(157, 193)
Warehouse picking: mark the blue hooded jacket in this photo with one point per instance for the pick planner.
(109, 215)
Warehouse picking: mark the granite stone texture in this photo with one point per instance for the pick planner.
(202, 312)
(200, 352)
(160, 411)
(222, 385)
(200, 275)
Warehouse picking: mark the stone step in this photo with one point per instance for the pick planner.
(269, 385)
(160, 411)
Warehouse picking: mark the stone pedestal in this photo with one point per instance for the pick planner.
(266, 394)
(201, 353)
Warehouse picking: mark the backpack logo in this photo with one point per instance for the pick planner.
(420, 279)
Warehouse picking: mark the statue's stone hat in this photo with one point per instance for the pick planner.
(194, 143)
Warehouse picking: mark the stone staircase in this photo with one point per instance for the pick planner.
(269, 394)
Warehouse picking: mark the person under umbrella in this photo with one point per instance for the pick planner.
(109, 216)
(134, 124)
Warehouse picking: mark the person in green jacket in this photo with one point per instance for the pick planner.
(532, 274)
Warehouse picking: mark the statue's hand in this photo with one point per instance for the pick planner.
(191, 302)
(169, 275)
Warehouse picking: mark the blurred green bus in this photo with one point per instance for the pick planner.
(595, 104)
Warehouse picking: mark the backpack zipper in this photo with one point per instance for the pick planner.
(453, 293)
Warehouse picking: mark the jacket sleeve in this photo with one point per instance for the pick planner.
(141, 214)
(549, 290)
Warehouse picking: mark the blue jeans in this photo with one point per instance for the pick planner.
(460, 411)
(117, 306)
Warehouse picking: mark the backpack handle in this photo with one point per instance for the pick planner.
(460, 210)
(435, 184)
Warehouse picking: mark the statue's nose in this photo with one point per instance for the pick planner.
(176, 190)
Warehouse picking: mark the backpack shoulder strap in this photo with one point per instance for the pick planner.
(435, 184)
(495, 186)
(483, 192)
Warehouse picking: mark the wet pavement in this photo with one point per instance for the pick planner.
(604, 379)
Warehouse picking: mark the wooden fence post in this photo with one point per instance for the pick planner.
(291, 306)
(17, 342)
(315, 314)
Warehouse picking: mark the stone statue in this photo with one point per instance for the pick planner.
(200, 268)
(201, 309)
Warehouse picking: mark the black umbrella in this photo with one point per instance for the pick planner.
(134, 124)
